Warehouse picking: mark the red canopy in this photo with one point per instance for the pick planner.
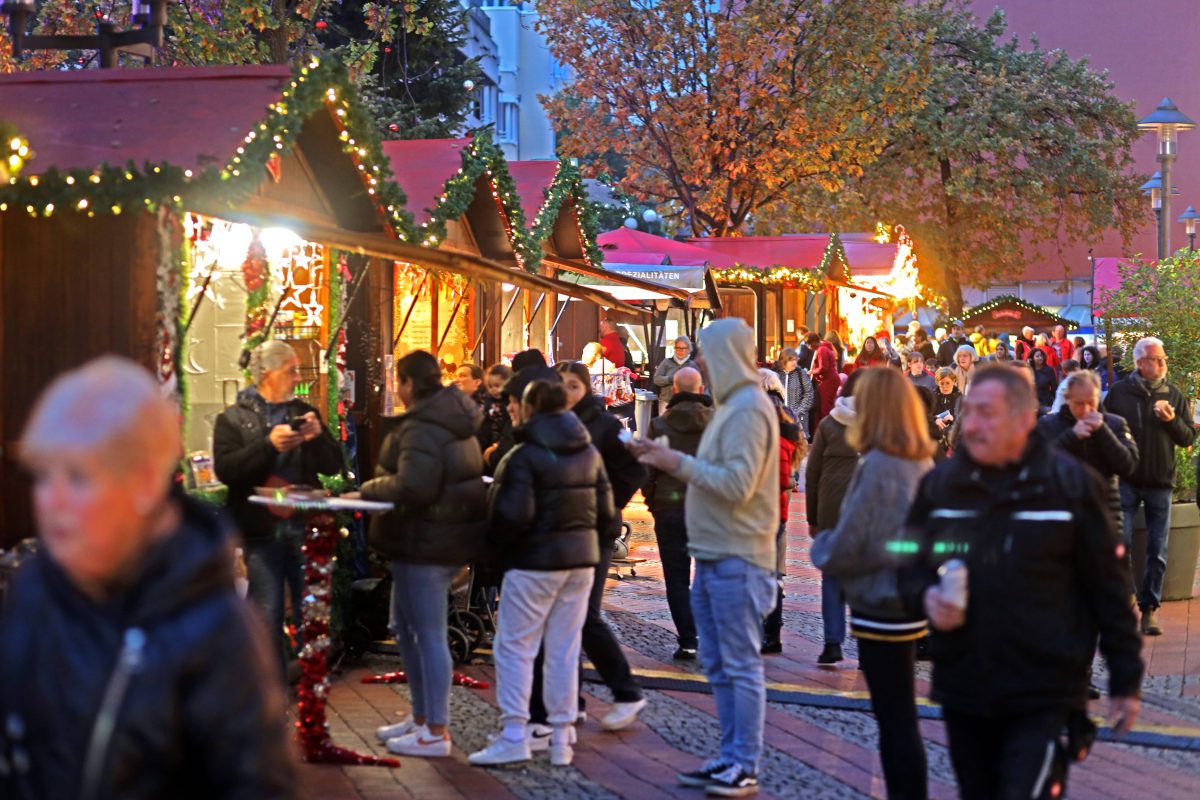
(806, 251)
(618, 244)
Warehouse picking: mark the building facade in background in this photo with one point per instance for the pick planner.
(1149, 51)
(518, 68)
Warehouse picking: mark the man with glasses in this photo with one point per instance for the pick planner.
(1159, 420)
(271, 438)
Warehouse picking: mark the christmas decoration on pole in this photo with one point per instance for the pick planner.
(321, 536)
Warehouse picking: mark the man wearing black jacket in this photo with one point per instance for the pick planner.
(686, 417)
(269, 438)
(956, 339)
(1046, 576)
(1160, 420)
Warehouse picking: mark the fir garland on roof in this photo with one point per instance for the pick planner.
(788, 277)
(835, 254)
(482, 159)
(1006, 299)
(567, 187)
(109, 189)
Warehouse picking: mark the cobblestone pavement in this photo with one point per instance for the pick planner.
(810, 752)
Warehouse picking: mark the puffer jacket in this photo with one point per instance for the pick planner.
(202, 714)
(551, 497)
(683, 424)
(243, 458)
(430, 466)
(1110, 450)
(1046, 575)
(625, 474)
(831, 463)
(799, 394)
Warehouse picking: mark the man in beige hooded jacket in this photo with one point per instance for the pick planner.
(732, 512)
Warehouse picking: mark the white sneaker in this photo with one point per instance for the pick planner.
(402, 728)
(420, 743)
(622, 715)
(501, 752)
(561, 755)
(538, 737)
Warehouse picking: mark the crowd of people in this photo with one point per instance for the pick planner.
(969, 497)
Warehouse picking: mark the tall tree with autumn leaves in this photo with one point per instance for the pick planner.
(723, 110)
(1014, 147)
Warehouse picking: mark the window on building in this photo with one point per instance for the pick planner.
(507, 123)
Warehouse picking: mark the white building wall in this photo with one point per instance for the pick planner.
(524, 70)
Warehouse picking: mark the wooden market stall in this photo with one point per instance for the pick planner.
(1009, 314)
(211, 197)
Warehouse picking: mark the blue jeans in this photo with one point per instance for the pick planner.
(269, 565)
(1158, 526)
(420, 605)
(730, 598)
(833, 610)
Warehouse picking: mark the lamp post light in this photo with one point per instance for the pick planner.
(1153, 189)
(150, 17)
(1166, 121)
(1188, 218)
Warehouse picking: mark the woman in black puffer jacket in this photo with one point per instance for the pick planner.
(550, 498)
(431, 468)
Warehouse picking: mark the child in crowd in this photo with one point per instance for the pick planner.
(495, 414)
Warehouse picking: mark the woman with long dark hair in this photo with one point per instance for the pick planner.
(1044, 378)
(889, 429)
(871, 355)
(431, 468)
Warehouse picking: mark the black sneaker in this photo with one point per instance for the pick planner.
(1093, 692)
(832, 654)
(685, 654)
(703, 776)
(733, 782)
(771, 647)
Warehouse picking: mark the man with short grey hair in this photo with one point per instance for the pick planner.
(270, 438)
(679, 357)
(1160, 420)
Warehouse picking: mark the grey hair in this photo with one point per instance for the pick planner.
(685, 340)
(1083, 377)
(110, 406)
(269, 356)
(1139, 349)
(770, 380)
(966, 348)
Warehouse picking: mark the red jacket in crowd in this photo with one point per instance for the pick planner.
(824, 374)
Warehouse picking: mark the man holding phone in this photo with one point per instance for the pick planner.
(269, 438)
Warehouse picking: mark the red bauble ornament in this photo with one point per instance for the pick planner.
(322, 25)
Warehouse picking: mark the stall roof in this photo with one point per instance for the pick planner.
(616, 244)
(193, 118)
(422, 168)
(802, 251)
(868, 258)
(532, 179)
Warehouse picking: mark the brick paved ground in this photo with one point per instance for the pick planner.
(811, 752)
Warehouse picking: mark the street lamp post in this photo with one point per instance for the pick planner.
(1153, 189)
(1166, 122)
(150, 16)
(1188, 218)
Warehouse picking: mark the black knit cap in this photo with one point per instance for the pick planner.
(515, 386)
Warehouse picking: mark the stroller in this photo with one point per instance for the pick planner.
(471, 619)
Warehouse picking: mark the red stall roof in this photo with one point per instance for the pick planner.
(532, 179)
(868, 257)
(805, 251)
(622, 241)
(192, 118)
(422, 168)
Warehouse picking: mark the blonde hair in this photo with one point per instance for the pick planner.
(889, 416)
(110, 406)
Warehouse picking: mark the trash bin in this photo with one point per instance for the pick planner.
(643, 406)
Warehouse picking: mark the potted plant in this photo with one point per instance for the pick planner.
(1159, 299)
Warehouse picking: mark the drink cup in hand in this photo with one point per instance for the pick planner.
(952, 583)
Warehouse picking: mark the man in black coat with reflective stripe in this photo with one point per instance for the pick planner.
(1045, 576)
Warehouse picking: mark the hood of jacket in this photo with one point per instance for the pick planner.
(560, 432)
(728, 349)
(688, 412)
(449, 408)
(843, 410)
